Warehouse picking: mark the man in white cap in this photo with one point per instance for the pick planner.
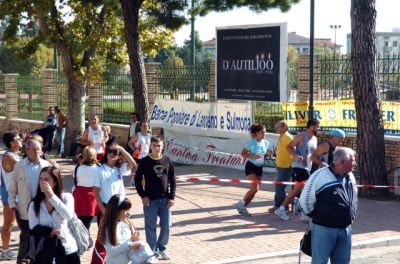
(323, 155)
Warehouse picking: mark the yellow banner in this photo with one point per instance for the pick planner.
(339, 114)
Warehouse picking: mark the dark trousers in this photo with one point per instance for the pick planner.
(23, 240)
(47, 256)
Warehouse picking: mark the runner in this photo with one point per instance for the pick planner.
(254, 152)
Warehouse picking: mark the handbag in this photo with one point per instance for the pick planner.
(305, 242)
(80, 233)
(141, 255)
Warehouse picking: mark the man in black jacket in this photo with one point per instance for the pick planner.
(157, 196)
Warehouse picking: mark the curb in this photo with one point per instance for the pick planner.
(371, 243)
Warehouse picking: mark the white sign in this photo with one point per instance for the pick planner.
(209, 119)
(185, 148)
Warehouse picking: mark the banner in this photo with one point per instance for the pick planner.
(209, 119)
(252, 62)
(339, 114)
(186, 148)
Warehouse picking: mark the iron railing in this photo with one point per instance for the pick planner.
(2, 96)
(30, 97)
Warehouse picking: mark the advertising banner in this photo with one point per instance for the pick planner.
(339, 114)
(252, 62)
(210, 119)
(186, 148)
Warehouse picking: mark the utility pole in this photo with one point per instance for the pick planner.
(335, 27)
(192, 92)
(311, 84)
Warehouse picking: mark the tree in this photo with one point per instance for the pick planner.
(170, 14)
(185, 52)
(370, 129)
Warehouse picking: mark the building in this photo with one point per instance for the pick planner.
(387, 43)
(300, 43)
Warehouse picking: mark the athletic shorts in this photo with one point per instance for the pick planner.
(300, 174)
(250, 168)
(3, 192)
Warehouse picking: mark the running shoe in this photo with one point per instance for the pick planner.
(282, 214)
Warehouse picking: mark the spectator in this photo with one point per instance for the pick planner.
(134, 127)
(140, 143)
(283, 163)
(301, 148)
(24, 183)
(157, 196)
(84, 178)
(111, 138)
(115, 231)
(330, 199)
(109, 181)
(254, 152)
(62, 123)
(48, 213)
(95, 136)
(13, 143)
(50, 123)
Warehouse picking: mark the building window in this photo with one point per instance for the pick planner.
(394, 43)
(386, 43)
(305, 49)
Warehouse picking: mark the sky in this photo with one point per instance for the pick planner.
(327, 12)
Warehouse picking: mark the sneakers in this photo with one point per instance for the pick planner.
(282, 213)
(151, 260)
(8, 255)
(163, 255)
(241, 209)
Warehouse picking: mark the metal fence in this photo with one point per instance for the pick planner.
(117, 97)
(184, 82)
(30, 97)
(62, 92)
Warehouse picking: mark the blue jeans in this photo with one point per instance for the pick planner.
(157, 208)
(60, 136)
(284, 174)
(330, 242)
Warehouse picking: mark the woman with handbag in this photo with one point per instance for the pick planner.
(119, 236)
(49, 213)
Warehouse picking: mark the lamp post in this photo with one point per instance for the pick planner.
(335, 27)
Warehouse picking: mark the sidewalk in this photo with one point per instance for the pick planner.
(206, 226)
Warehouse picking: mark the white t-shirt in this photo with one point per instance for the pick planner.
(144, 142)
(85, 175)
(97, 136)
(110, 181)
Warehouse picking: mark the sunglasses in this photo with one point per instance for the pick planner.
(17, 139)
(115, 152)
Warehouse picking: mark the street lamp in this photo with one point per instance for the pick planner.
(335, 27)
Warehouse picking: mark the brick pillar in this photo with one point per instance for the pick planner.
(49, 89)
(95, 101)
(211, 85)
(153, 85)
(304, 79)
(11, 95)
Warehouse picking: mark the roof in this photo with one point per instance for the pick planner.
(293, 38)
(325, 43)
(210, 42)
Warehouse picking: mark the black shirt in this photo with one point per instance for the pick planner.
(159, 178)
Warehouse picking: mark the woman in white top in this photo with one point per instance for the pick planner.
(48, 215)
(115, 231)
(109, 181)
(13, 143)
(84, 177)
(140, 143)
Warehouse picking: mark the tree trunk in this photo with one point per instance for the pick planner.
(130, 10)
(76, 110)
(370, 130)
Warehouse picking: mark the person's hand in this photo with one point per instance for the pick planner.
(257, 156)
(299, 159)
(91, 143)
(146, 201)
(16, 216)
(135, 236)
(136, 246)
(102, 209)
(56, 233)
(170, 203)
(46, 189)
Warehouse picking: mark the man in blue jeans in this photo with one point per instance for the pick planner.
(157, 196)
(330, 199)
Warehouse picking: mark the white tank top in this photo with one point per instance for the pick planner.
(97, 136)
(144, 143)
(7, 175)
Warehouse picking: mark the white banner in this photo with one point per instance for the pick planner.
(185, 148)
(209, 119)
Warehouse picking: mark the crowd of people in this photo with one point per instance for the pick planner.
(324, 191)
(32, 194)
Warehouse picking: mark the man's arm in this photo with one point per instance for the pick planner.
(105, 134)
(132, 142)
(85, 138)
(321, 150)
(308, 198)
(296, 141)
